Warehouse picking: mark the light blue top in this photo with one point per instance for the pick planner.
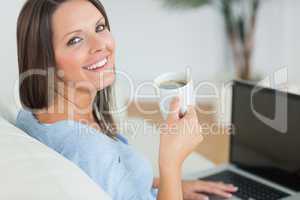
(113, 164)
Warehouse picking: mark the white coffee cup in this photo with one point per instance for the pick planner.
(171, 85)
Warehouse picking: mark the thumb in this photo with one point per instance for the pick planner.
(174, 108)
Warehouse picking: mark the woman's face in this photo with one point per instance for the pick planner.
(83, 46)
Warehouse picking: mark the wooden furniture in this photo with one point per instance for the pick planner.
(215, 145)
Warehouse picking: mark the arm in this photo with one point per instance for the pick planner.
(178, 138)
(170, 183)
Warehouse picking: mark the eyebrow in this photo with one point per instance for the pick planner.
(79, 30)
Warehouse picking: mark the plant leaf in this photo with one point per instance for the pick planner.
(185, 3)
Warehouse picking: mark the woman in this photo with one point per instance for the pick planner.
(66, 56)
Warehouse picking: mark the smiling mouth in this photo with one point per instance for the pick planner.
(97, 65)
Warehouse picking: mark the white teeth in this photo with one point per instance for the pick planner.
(98, 65)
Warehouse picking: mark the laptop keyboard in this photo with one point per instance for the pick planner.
(248, 188)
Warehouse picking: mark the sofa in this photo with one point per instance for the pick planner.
(30, 170)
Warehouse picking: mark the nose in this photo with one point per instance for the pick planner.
(96, 44)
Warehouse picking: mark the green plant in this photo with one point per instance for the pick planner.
(240, 22)
(186, 3)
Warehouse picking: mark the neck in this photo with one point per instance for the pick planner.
(70, 103)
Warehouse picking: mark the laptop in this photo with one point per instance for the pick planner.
(264, 155)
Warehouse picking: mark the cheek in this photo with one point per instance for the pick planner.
(110, 42)
(70, 64)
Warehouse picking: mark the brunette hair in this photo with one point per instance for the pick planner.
(36, 54)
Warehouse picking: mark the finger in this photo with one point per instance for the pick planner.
(174, 108)
(223, 186)
(191, 112)
(233, 186)
(216, 191)
(197, 196)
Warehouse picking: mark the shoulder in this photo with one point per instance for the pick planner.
(85, 138)
(66, 135)
(84, 143)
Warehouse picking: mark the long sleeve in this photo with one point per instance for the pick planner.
(103, 163)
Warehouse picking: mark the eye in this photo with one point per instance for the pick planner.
(74, 40)
(100, 27)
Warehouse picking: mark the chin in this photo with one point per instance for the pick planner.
(109, 81)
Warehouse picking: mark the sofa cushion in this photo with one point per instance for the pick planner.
(30, 170)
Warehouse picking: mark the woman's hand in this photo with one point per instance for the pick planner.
(179, 135)
(178, 138)
(198, 190)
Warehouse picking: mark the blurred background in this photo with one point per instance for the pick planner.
(219, 40)
(156, 36)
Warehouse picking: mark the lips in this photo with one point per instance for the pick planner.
(99, 64)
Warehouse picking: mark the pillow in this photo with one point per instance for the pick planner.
(31, 170)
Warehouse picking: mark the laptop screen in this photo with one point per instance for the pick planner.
(265, 137)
